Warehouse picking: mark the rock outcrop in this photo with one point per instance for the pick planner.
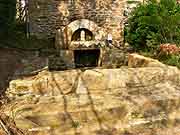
(97, 101)
(136, 60)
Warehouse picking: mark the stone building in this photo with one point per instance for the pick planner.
(78, 23)
(100, 17)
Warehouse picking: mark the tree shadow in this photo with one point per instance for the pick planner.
(65, 100)
(91, 102)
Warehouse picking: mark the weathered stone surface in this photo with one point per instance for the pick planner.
(53, 83)
(2, 131)
(46, 83)
(86, 45)
(47, 17)
(97, 101)
(63, 60)
(60, 19)
(136, 60)
(107, 57)
(114, 58)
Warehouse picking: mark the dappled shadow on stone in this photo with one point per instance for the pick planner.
(9, 62)
(67, 114)
(102, 101)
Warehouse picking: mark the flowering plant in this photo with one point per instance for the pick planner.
(169, 49)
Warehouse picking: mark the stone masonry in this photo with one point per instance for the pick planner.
(101, 17)
(86, 25)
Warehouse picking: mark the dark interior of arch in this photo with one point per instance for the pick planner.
(76, 35)
(86, 58)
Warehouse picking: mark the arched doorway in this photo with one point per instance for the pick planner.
(81, 32)
(79, 38)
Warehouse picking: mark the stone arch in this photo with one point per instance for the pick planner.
(71, 28)
(81, 24)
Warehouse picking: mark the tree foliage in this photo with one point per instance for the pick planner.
(7, 15)
(153, 23)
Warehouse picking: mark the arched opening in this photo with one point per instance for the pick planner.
(86, 58)
(72, 32)
(82, 34)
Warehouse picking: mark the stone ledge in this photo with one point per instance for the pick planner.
(136, 60)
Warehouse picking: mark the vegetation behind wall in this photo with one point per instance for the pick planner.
(13, 31)
(153, 23)
(7, 15)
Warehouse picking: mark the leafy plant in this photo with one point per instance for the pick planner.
(153, 23)
(173, 60)
(75, 124)
(169, 54)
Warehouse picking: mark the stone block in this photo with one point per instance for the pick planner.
(62, 61)
(96, 101)
(136, 60)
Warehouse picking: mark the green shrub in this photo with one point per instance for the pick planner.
(153, 23)
(173, 60)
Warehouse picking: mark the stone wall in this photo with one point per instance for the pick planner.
(48, 16)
